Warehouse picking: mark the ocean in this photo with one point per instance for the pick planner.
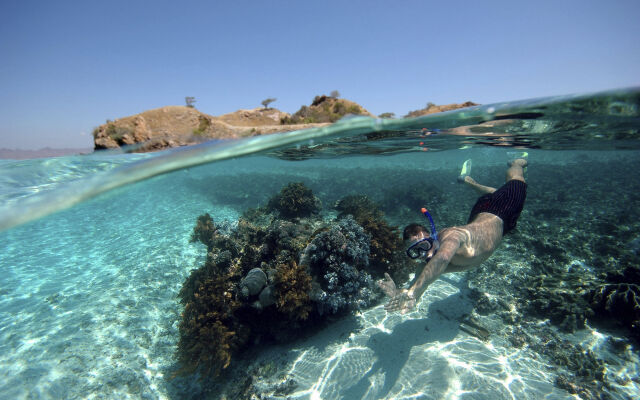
(101, 268)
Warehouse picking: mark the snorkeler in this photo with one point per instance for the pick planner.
(460, 248)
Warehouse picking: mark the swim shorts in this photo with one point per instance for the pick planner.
(506, 202)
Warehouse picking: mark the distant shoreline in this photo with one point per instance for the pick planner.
(18, 154)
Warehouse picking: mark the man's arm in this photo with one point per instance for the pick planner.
(405, 300)
(437, 265)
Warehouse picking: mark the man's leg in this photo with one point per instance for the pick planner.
(482, 189)
(516, 170)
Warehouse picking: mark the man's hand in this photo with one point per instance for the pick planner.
(401, 300)
(404, 301)
(388, 286)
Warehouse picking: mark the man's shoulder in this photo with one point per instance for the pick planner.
(459, 233)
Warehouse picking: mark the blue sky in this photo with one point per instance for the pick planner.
(67, 66)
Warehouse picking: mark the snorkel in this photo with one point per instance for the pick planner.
(434, 234)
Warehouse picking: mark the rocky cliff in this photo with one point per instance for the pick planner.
(175, 126)
(432, 108)
(326, 109)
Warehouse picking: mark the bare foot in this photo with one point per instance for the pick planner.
(520, 162)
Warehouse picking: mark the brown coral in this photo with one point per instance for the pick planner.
(204, 231)
(619, 301)
(293, 284)
(295, 201)
(385, 240)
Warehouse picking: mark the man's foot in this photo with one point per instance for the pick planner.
(522, 162)
(470, 180)
(512, 156)
(465, 171)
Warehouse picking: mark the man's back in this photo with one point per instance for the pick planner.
(478, 240)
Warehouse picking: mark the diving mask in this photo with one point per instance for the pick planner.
(421, 247)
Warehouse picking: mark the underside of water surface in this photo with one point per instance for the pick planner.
(102, 268)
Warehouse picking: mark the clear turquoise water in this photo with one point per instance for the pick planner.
(89, 277)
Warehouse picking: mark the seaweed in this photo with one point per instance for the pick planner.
(209, 333)
(292, 286)
(204, 231)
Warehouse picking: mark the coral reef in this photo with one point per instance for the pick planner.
(337, 258)
(579, 370)
(619, 301)
(556, 295)
(285, 236)
(295, 201)
(279, 271)
(385, 240)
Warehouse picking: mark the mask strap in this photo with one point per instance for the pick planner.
(434, 234)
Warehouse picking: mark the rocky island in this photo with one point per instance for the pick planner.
(174, 126)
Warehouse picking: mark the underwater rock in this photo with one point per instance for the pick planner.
(631, 274)
(267, 297)
(579, 370)
(253, 282)
(550, 248)
(285, 388)
(564, 382)
(587, 370)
